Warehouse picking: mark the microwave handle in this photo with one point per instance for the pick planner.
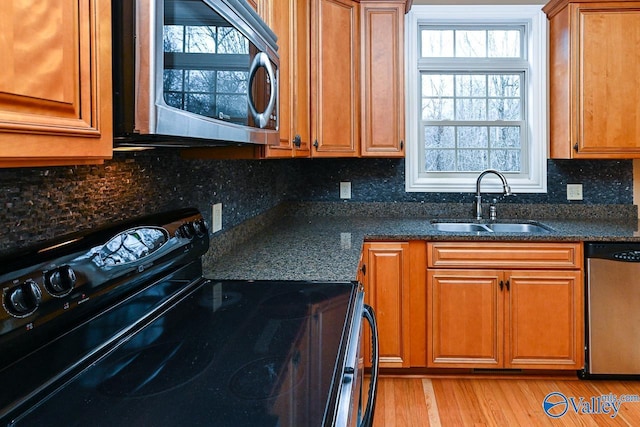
(262, 60)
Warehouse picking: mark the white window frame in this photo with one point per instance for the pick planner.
(534, 180)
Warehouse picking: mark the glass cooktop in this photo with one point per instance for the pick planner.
(230, 353)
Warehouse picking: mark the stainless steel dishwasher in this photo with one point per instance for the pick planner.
(613, 309)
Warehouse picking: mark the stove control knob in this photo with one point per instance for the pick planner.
(186, 231)
(23, 299)
(200, 227)
(60, 281)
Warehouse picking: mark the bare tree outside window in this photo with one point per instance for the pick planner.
(472, 120)
(206, 70)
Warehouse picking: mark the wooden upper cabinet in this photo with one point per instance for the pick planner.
(55, 82)
(335, 90)
(290, 20)
(382, 78)
(594, 67)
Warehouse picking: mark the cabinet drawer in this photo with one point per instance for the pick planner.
(504, 255)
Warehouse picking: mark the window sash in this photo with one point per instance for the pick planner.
(487, 27)
(532, 178)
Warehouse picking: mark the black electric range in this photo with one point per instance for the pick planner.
(117, 326)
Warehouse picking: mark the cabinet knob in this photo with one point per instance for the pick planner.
(297, 141)
(364, 269)
(575, 147)
(315, 143)
(507, 285)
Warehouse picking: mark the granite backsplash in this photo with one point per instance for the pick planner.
(40, 203)
(382, 180)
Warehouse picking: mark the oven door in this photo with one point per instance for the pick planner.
(355, 408)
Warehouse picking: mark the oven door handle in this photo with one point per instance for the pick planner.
(367, 418)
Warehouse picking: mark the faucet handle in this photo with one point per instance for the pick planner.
(493, 209)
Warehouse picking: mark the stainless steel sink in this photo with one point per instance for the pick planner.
(528, 227)
(490, 227)
(460, 227)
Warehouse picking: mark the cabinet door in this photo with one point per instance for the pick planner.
(544, 320)
(609, 111)
(334, 78)
(382, 79)
(594, 64)
(387, 291)
(55, 82)
(289, 19)
(465, 313)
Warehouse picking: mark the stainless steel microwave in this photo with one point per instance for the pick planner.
(193, 73)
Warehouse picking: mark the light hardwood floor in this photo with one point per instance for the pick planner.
(498, 402)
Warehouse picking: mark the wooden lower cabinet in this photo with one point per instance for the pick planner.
(393, 274)
(544, 320)
(465, 313)
(511, 318)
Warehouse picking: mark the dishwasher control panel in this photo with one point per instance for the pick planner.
(614, 251)
(633, 256)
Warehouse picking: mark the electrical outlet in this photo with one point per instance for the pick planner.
(345, 190)
(345, 240)
(574, 191)
(216, 217)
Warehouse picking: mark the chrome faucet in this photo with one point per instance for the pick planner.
(505, 186)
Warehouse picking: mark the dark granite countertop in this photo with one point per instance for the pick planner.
(328, 247)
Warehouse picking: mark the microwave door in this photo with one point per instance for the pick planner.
(200, 73)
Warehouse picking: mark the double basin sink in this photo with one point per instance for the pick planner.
(527, 227)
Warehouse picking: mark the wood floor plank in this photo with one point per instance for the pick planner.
(402, 403)
(497, 404)
(484, 402)
(525, 404)
(450, 412)
(432, 404)
(418, 403)
(629, 410)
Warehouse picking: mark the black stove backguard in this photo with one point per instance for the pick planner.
(52, 289)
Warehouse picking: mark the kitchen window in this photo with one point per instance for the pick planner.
(476, 93)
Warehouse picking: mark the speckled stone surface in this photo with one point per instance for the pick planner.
(300, 245)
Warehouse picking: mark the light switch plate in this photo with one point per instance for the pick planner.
(216, 217)
(574, 191)
(345, 190)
